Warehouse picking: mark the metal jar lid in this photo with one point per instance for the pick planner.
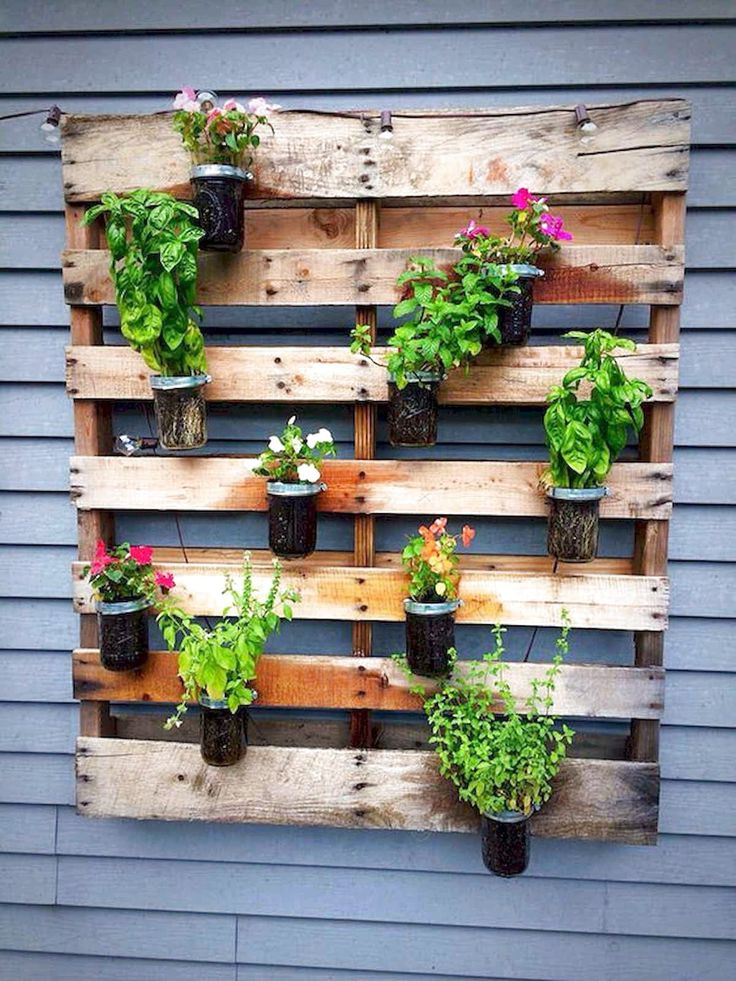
(220, 170)
(577, 493)
(422, 376)
(431, 609)
(213, 703)
(278, 488)
(507, 817)
(523, 270)
(164, 383)
(127, 606)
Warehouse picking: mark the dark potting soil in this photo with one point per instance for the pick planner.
(181, 415)
(222, 735)
(428, 638)
(292, 525)
(515, 321)
(219, 201)
(123, 640)
(412, 414)
(572, 530)
(505, 846)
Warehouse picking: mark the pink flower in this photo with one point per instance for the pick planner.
(101, 560)
(472, 230)
(552, 226)
(262, 107)
(231, 105)
(186, 100)
(522, 199)
(165, 580)
(142, 554)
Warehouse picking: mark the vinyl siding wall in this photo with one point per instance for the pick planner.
(125, 900)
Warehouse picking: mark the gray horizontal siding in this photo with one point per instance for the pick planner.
(144, 900)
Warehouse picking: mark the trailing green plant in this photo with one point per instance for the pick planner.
(293, 457)
(221, 661)
(431, 560)
(125, 572)
(499, 756)
(153, 239)
(220, 134)
(585, 435)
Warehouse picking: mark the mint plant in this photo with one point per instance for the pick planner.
(585, 435)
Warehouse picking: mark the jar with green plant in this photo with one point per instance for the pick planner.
(586, 430)
(435, 339)
(431, 561)
(501, 755)
(291, 463)
(125, 586)
(152, 239)
(507, 265)
(217, 664)
(222, 141)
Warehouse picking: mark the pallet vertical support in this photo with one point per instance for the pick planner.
(656, 446)
(366, 237)
(92, 437)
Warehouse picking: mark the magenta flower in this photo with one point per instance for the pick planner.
(552, 226)
(522, 199)
(165, 580)
(142, 554)
(472, 230)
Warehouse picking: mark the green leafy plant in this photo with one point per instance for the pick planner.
(586, 435)
(498, 757)
(293, 457)
(153, 264)
(221, 661)
(125, 573)
(431, 560)
(220, 135)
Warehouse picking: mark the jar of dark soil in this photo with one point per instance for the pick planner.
(505, 842)
(181, 412)
(430, 633)
(515, 320)
(123, 633)
(412, 410)
(292, 518)
(572, 529)
(218, 192)
(223, 735)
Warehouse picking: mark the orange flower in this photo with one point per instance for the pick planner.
(438, 525)
(468, 535)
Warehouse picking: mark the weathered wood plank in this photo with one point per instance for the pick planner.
(511, 376)
(356, 486)
(639, 146)
(598, 799)
(598, 601)
(329, 277)
(314, 681)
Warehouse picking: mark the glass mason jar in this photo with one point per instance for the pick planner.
(292, 518)
(572, 527)
(123, 633)
(505, 842)
(218, 192)
(430, 633)
(181, 412)
(515, 320)
(223, 737)
(412, 410)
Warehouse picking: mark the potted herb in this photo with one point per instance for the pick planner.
(434, 340)
(221, 142)
(502, 763)
(291, 463)
(507, 264)
(124, 586)
(431, 561)
(153, 264)
(585, 435)
(217, 664)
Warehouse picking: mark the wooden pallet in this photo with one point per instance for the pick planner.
(334, 216)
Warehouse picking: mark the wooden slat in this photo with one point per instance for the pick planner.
(356, 486)
(315, 681)
(599, 601)
(639, 146)
(511, 376)
(328, 277)
(347, 788)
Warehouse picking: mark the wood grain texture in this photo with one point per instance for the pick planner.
(598, 799)
(356, 486)
(510, 376)
(316, 681)
(639, 146)
(333, 277)
(339, 592)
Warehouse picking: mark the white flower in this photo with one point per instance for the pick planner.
(276, 445)
(308, 472)
(291, 421)
(440, 589)
(296, 444)
(231, 105)
(262, 107)
(323, 436)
